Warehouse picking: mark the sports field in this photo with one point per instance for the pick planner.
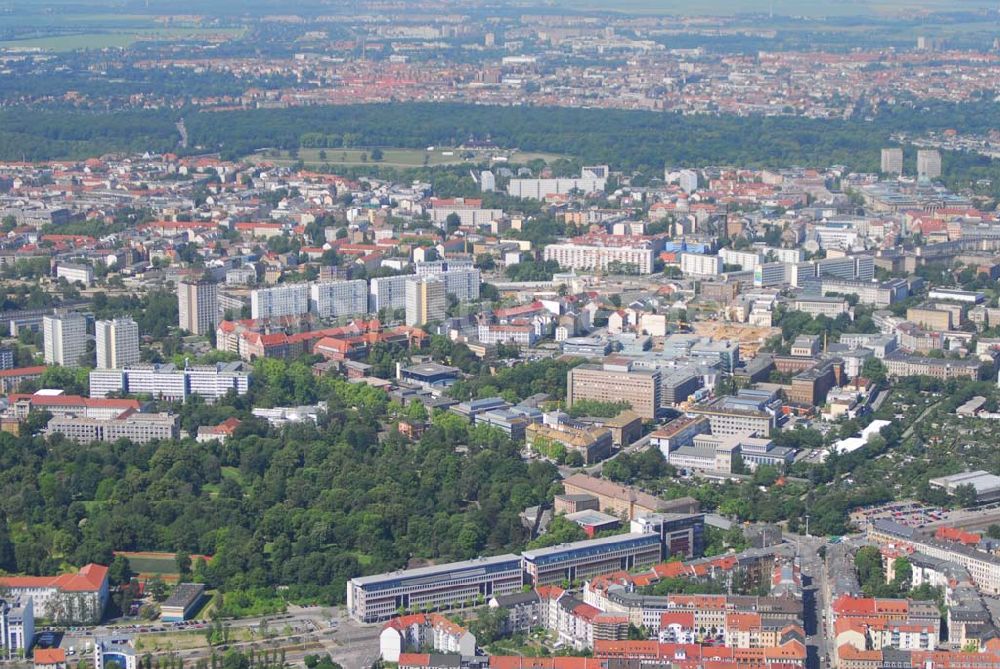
(393, 157)
(150, 563)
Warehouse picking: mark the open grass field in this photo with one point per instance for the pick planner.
(148, 563)
(119, 38)
(399, 158)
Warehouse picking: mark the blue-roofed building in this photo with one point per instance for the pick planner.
(376, 598)
(585, 559)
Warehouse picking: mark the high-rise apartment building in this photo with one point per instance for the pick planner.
(117, 343)
(892, 161)
(387, 292)
(65, 339)
(426, 300)
(288, 300)
(198, 306)
(928, 164)
(336, 299)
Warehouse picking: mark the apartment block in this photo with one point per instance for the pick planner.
(117, 343)
(165, 381)
(198, 306)
(338, 299)
(426, 300)
(892, 161)
(928, 164)
(65, 337)
(388, 292)
(591, 257)
(698, 264)
(290, 300)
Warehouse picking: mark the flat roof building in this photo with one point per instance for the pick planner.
(616, 381)
(379, 597)
(584, 559)
(182, 603)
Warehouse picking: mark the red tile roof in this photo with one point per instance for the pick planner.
(90, 578)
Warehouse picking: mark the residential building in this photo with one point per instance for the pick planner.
(287, 300)
(420, 631)
(67, 598)
(698, 264)
(928, 164)
(616, 381)
(387, 292)
(594, 257)
(540, 189)
(338, 299)
(117, 343)
(379, 597)
(426, 300)
(522, 335)
(892, 161)
(65, 337)
(198, 306)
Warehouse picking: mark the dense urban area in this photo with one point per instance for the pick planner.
(503, 334)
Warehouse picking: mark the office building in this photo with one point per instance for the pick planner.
(387, 292)
(338, 299)
(17, 626)
(699, 264)
(592, 443)
(76, 273)
(198, 306)
(426, 300)
(616, 381)
(772, 274)
(166, 381)
(877, 293)
(892, 161)
(681, 534)
(380, 597)
(899, 365)
(928, 164)
(288, 300)
(139, 428)
(584, 559)
(65, 339)
(521, 335)
(725, 418)
(117, 343)
(594, 257)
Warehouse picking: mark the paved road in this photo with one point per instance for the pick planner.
(814, 598)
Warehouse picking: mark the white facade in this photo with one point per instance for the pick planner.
(747, 260)
(539, 189)
(139, 428)
(688, 180)
(429, 267)
(587, 257)
(892, 161)
(698, 264)
(928, 163)
(337, 299)
(17, 625)
(290, 300)
(73, 273)
(487, 182)
(463, 285)
(198, 306)
(211, 382)
(388, 292)
(65, 339)
(117, 343)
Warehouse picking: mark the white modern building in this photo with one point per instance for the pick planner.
(289, 300)
(426, 300)
(74, 272)
(388, 292)
(928, 164)
(117, 343)
(592, 257)
(139, 428)
(198, 306)
(65, 339)
(17, 625)
(699, 264)
(166, 381)
(337, 299)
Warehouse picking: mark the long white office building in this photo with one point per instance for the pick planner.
(372, 599)
(337, 299)
(137, 427)
(290, 300)
(591, 257)
(166, 381)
